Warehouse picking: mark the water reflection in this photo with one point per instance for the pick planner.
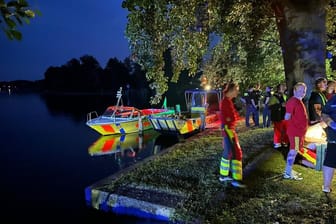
(131, 148)
(114, 144)
(45, 161)
(128, 149)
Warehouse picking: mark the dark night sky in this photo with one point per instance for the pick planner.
(66, 29)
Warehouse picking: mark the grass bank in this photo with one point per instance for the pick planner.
(191, 169)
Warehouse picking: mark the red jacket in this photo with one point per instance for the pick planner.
(229, 114)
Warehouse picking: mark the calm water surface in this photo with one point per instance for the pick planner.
(45, 160)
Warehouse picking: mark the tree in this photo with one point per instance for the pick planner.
(84, 74)
(14, 13)
(295, 29)
(91, 72)
(116, 74)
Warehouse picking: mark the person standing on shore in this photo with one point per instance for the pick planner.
(266, 110)
(251, 107)
(317, 100)
(231, 161)
(329, 164)
(277, 105)
(256, 95)
(297, 125)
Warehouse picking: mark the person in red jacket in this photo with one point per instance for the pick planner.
(231, 161)
(297, 125)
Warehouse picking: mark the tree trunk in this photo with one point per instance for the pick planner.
(302, 30)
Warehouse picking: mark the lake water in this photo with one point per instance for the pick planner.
(46, 163)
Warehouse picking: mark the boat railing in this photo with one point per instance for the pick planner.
(91, 115)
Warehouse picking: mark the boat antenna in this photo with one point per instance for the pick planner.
(119, 97)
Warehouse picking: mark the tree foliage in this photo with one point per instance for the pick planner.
(245, 34)
(331, 27)
(13, 14)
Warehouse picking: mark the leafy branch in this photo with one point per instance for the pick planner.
(13, 14)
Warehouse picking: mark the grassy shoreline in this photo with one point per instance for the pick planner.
(191, 170)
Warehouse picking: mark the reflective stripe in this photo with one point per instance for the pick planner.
(308, 155)
(236, 169)
(108, 128)
(229, 132)
(224, 167)
(323, 97)
(190, 125)
(297, 143)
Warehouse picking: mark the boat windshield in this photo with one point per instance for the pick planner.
(201, 100)
(121, 112)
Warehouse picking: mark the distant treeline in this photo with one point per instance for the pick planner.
(86, 76)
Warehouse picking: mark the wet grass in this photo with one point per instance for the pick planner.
(271, 199)
(191, 168)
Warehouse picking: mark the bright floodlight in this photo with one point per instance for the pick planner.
(207, 87)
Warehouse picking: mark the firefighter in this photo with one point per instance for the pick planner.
(231, 161)
(317, 100)
(277, 105)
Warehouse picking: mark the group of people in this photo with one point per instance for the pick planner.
(253, 99)
(290, 120)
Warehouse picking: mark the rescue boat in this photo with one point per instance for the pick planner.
(120, 119)
(202, 112)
